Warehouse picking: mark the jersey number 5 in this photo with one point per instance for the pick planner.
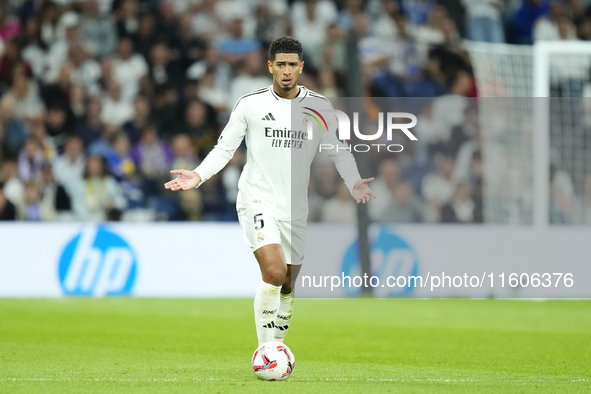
(258, 221)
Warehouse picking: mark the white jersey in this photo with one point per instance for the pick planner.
(279, 152)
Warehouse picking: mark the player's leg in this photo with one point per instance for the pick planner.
(262, 234)
(267, 299)
(293, 236)
(286, 302)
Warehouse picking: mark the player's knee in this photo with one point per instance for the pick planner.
(275, 275)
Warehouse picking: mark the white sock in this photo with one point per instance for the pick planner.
(266, 305)
(284, 315)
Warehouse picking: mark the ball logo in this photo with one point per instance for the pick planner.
(97, 262)
(391, 255)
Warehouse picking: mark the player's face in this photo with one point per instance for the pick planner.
(286, 69)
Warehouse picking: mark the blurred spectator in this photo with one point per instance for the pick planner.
(404, 57)
(53, 193)
(270, 21)
(119, 158)
(98, 30)
(127, 18)
(200, 127)
(483, 20)
(90, 127)
(129, 69)
(105, 6)
(213, 199)
(59, 123)
(142, 117)
(30, 161)
(332, 52)
(69, 167)
(310, 18)
(348, 16)
(456, 12)
(249, 77)
(431, 135)
(32, 208)
(185, 48)
(49, 18)
(46, 144)
(417, 11)
(235, 48)
(14, 189)
(461, 208)
(207, 21)
(327, 85)
(340, 208)
(167, 20)
(77, 102)
(11, 63)
(449, 109)
(403, 206)
(27, 102)
(151, 155)
(438, 188)
(14, 130)
(387, 179)
(185, 157)
(116, 110)
(546, 27)
(209, 93)
(525, 19)
(168, 111)
(145, 37)
(7, 208)
(34, 49)
(9, 26)
(432, 32)
(385, 27)
(162, 69)
(85, 71)
(184, 152)
(67, 34)
(463, 132)
(325, 179)
(98, 193)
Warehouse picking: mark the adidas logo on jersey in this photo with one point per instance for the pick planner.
(269, 116)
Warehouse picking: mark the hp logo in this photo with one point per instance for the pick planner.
(97, 262)
(391, 255)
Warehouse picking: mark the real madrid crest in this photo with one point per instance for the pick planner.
(306, 119)
(260, 237)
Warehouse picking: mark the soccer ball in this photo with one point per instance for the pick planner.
(273, 361)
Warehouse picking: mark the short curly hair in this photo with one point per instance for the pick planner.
(285, 44)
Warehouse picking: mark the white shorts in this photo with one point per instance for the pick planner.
(260, 229)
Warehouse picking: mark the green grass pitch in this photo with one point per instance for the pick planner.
(341, 346)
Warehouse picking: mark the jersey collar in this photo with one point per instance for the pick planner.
(302, 94)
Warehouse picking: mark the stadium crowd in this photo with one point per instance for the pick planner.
(100, 98)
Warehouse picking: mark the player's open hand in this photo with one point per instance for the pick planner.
(361, 192)
(186, 180)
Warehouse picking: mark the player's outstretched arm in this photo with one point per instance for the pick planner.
(361, 191)
(186, 180)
